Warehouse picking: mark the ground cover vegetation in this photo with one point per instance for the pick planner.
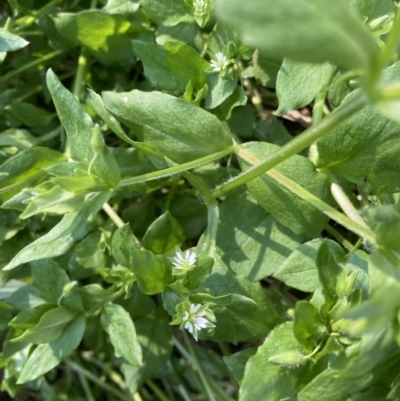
(200, 200)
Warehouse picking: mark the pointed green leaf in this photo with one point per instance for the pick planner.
(49, 328)
(153, 272)
(47, 356)
(161, 120)
(172, 66)
(163, 235)
(298, 83)
(10, 42)
(63, 236)
(118, 323)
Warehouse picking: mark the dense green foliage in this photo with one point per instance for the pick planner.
(166, 233)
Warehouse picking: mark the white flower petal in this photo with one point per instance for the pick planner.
(189, 327)
(186, 317)
(201, 314)
(196, 307)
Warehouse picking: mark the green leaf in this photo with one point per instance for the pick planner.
(307, 324)
(225, 109)
(10, 42)
(106, 36)
(219, 90)
(155, 338)
(49, 328)
(168, 12)
(122, 7)
(161, 120)
(153, 272)
(249, 240)
(22, 139)
(313, 32)
(163, 235)
(118, 324)
(224, 300)
(328, 271)
(94, 295)
(364, 147)
(172, 66)
(236, 363)
(263, 380)
(152, 154)
(54, 200)
(298, 83)
(49, 279)
(47, 356)
(299, 269)
(25, 168)
(302, 219)
(373, 8)
(82, 133)
(25, 298)
(29, 114)
(238, 322)
(90, 251)
(30, 318)
(63, 236)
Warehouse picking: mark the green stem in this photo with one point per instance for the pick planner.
(86, 388)
(27, 66)
(296, 145)
(199, 370)
(176, 169)
(318, 109)
(312, 200)
(387, 52)
(212, 211)
(157, 391)
(26, 21)
(116, 393)
(79, 81)
(339, 237)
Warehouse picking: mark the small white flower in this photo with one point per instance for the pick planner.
(194, 320)
(221, 63)
(184, 261)
(200, 7)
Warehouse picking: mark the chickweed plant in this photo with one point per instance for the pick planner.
(200, 200)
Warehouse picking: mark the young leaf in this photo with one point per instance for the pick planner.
(153, 272)
(298, 83)
(172, 66)
(307, 324)
(163, 235)
(311, 31)
(328, 271)
(46, 356)
(249, 240)
(303, 219)
(63, 236)
(49, 328)
(11, 42)
(30, 318)
(118, 323)
(158, 119)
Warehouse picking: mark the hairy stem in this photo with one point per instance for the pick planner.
(176, 169)
(296, 145)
